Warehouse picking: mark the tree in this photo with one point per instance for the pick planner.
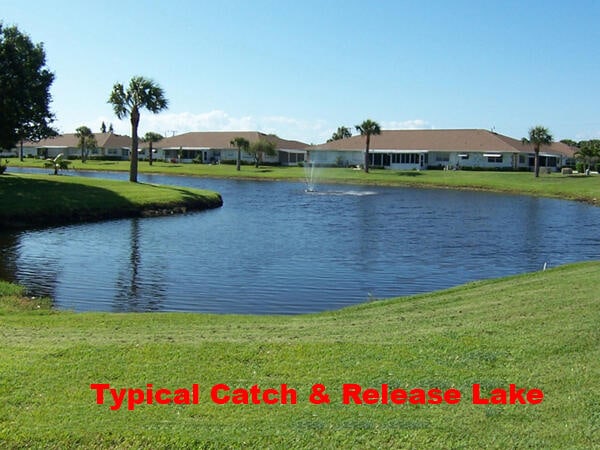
(24, 90)
(259, 148)
(103, 127)
(242, 144)
(538, 136)
(368, 128)
(141, 93)
(111, 129)
(569, 142)
(341, 133)
(151, 137)
(57, 163)
(588, 153)
(86, 141)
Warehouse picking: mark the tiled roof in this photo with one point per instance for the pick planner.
(222, 140)
(440, 140)
(70, 140)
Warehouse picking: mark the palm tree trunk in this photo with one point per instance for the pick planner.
(133, 167)
(536, 162)
(239, 156)
(21, 151)
(150, 151)
(367, 153)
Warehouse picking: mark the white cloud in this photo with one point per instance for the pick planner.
(314, 131)
(414, 124)
(168, 124)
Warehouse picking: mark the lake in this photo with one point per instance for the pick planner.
(275, 249)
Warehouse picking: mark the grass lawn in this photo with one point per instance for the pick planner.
(46, 199)
(535, 330)
(572, 187)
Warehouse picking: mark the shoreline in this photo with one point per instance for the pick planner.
(482, 181)
(41, 201)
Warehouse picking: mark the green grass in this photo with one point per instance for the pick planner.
(536, 330)
(44, 199)
(573, 187)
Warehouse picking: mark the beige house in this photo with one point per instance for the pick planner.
(434, 149)
(215, 146)
(109, 145)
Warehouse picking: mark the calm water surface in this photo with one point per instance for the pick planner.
(274, 248)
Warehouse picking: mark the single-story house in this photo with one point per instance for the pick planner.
(215, 146)
(430, 149)
(107, 145)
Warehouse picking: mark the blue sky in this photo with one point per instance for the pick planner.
(302, 68)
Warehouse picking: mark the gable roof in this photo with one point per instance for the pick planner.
(222, 140)
(440, 140)
(70, 140)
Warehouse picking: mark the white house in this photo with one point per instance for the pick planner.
(429, 149)
(108, 145)
(215, 146)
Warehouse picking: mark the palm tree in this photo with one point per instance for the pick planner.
(57, 163)
(151, 137)
(141, 93)
(341, 133)
(368, 128)
(241, 144)
(86, 141)
(538, 136)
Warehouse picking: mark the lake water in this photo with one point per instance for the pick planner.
(274, 248)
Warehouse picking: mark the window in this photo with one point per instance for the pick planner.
(445, 157)
(494, 159)
(464, 156)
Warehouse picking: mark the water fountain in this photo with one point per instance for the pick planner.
(309, 175)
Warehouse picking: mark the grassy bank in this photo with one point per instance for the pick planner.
(29, 200)
(574, 187)
(537, 330)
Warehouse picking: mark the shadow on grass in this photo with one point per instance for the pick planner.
(413, 173)
(34, 202)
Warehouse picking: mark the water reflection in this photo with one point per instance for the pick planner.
(273, 248)
(139, 287)
(8, 262)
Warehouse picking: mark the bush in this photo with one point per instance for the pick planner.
(2, 168)
(579, 167)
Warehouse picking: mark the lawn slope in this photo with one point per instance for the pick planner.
(30, 200)
(535, 330)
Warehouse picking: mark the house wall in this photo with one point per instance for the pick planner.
(432, 159)
(336, 157)
(470, 159)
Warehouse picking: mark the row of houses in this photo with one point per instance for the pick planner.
(393, 149)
